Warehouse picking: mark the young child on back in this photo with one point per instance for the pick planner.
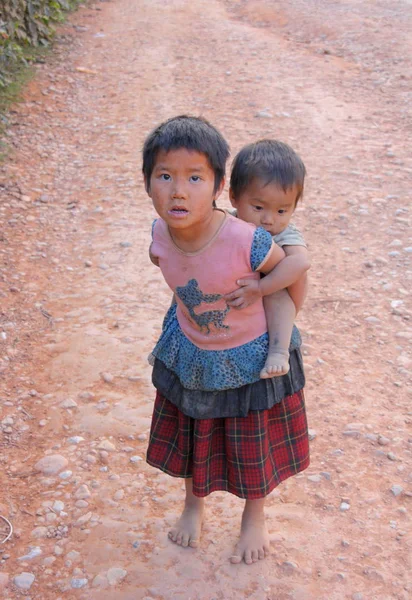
(265, 186)
(215, 422)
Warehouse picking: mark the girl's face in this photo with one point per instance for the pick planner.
(267, 206)
(182, 188)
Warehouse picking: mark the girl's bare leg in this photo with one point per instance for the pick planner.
(187, 530)
(253, 544)
(280, 314)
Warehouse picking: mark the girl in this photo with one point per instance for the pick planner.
(215, 422)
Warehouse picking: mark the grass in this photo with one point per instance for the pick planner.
(19, 77)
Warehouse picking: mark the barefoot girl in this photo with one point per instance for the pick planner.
(265, 186)
(215, 422)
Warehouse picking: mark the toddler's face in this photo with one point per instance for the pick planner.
(267, 206)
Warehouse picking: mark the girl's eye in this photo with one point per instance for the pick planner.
(195, 178)
(281, 211)
(257, 207)
(165, 177)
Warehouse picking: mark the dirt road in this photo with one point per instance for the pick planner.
(81, 305)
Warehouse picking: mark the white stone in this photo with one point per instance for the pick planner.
(51, 465)
(58, 506)
(135, 459)
(82, 493)
(115, 575)
(69, 403)
(106, 445)
(24, 581)
(396, 490)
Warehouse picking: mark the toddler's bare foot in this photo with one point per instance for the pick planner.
(277, 364)
(187, 530)
(253, 544)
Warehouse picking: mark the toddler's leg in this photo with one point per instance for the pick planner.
(280, 314)
(187, 530)
(254, 542)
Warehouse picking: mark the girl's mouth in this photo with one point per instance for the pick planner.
(178, 210)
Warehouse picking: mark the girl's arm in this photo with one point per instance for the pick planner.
(279, 275)
(153, 258)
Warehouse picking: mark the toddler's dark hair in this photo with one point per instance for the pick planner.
(270, 161)
(191, 133)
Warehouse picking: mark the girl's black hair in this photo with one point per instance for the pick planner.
(270, 161)
(191, 133)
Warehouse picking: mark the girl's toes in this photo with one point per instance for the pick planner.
(255, 557)
(194, 543)
(172, 535)
(235, 559)
(261, 554)
(248, 557)
(185, 540)
(179, 539)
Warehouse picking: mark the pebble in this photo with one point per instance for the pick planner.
(314, 478)
(135, 459)
(33, 553)
(66, 474)
(107, 377)
(39, 532)
(263, 114)
(51, 465)
(78, 583)
(391, 456)
(119, 495)
(83, 492)
(75, 439)
(288, 567)
(24, 581)
(312, 434)
(106, 445)
(396, 490)
(83, 519)
(69, 403)
(115, 575)
(383, 441)
(58, 506)
(357, 596)
(73, 555)
(344, 506)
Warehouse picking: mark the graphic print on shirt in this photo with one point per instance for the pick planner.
(191, 296)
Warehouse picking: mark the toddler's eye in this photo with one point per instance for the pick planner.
(165, 177)
(281, 211)
(195, 178)
(258, 207)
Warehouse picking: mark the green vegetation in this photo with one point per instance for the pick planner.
(26, 31)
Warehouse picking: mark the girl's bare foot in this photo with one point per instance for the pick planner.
(277, 364)
(187, 530)
(253, 544)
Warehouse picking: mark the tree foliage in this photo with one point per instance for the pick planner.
(26, 24)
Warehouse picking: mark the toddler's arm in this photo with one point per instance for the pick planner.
(281, 275)
(287, 272)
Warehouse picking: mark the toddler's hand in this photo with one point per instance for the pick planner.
(248, 293)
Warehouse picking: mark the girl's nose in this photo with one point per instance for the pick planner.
(178, 190)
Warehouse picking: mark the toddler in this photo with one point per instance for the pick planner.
(265, 186)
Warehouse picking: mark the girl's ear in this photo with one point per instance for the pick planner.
(219, 189)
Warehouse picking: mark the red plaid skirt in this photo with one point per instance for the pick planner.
(246, 456)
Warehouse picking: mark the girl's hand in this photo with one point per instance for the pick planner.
(248, 293)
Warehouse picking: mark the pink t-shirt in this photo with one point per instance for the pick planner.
(200, 279)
